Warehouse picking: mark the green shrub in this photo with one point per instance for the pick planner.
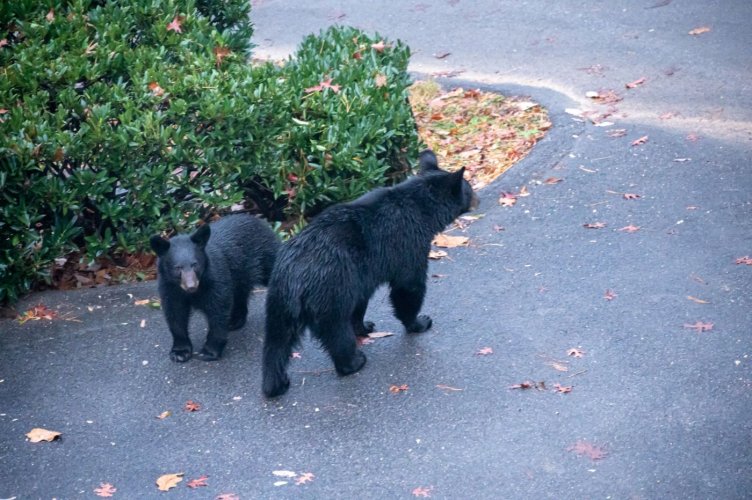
(343, 143)
(123, 118)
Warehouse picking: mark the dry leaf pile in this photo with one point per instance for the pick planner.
(482, 131)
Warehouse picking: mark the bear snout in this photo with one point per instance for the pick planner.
(189, 281)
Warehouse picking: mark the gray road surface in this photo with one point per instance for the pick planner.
(667, 404)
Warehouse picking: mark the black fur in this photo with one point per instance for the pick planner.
(213, 270)
(325, 276)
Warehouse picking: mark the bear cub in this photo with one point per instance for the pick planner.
(212, 270)
(324, 277)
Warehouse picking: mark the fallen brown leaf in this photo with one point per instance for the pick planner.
(38, 434)
(176, 24)
(168, 481)
(448, 388)
(575, 352)
(593, 452)
(198, 482)
(609, 295)
(220, 53)
(541, 386)
(693, 137)
(595, 225)
(361, 341)
(485, 351)
(324, 84)
(552, 180)
(105, 490)
(164, 414)
(606, 96)
(395, 389)
(422, 491)
(696, 300)
(699, 31)
(563, 389)
(36, 313)
(192, 406)
(699, 326)
(630, 228)
(507, 199)
(305, 477)
(379, 46)
(156, 89)
(379, 335)
(437, 254)
(380, 80)
(284, 473)
(636, 83)
(630, 196)
(442, 240)
(747, 260)
(640, 141)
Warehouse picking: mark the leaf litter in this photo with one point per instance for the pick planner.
(484, 132)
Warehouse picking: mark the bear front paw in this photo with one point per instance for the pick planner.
(366, 328)
(420, 325)
(352, 365)
(236, 323)
(275, 385)
(181, 355)
(209, 355)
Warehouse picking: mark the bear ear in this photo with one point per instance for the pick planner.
(457, 180)
(201, 236)
(159, 245)
(427, 161)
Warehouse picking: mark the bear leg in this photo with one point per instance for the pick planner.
(216, 339)
(178, 313)
(338, 338)
(407, 302)
(239, 312)
(361, 328)
(281, 335)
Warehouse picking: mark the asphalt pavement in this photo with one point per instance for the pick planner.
(565, 361)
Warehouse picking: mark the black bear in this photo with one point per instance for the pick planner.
(324, 277)
(212, 270)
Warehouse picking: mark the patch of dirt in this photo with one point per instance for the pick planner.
(484, 132)
(74, 272)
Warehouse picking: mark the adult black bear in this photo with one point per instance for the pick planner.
(213, 270)
(324, 277)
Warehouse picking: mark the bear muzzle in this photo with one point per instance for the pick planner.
(189, 281)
